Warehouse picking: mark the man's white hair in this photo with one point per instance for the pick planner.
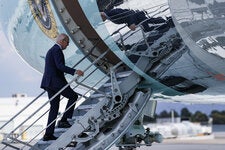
(61, 37)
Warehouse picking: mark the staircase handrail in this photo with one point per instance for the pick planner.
(73, 80)
(76, 80)
(72, 104)
(42, 93)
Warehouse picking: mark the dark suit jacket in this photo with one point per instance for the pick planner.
(53, 77)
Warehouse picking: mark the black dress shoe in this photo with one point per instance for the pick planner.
(64, 124)
(49, 137)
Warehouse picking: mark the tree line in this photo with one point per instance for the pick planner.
(217, 116)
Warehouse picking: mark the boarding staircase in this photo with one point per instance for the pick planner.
(105, 116)
(113, 112)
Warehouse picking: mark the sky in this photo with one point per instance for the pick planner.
(16, 75)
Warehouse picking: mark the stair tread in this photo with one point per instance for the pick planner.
(96, 95)
(86, 106)
(123, 74)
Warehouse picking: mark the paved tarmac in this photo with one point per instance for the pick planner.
(210, 144)
(213, 142)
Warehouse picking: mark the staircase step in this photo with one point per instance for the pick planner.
(86, 106)
(43, 144)
(76, 117)
(80, 112)
(90, 101)
(106, 85)
(59, 131)
(123, 74)
(109, 84)
(97, 96)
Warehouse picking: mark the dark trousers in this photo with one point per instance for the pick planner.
(54, 107)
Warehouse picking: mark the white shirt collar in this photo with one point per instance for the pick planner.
(59, 45)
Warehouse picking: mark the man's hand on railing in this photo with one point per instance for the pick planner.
(79, 73)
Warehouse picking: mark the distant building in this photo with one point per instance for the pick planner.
(19, 95)
(10, 106)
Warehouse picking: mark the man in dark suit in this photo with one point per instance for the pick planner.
(131, 18)
(53, 80)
